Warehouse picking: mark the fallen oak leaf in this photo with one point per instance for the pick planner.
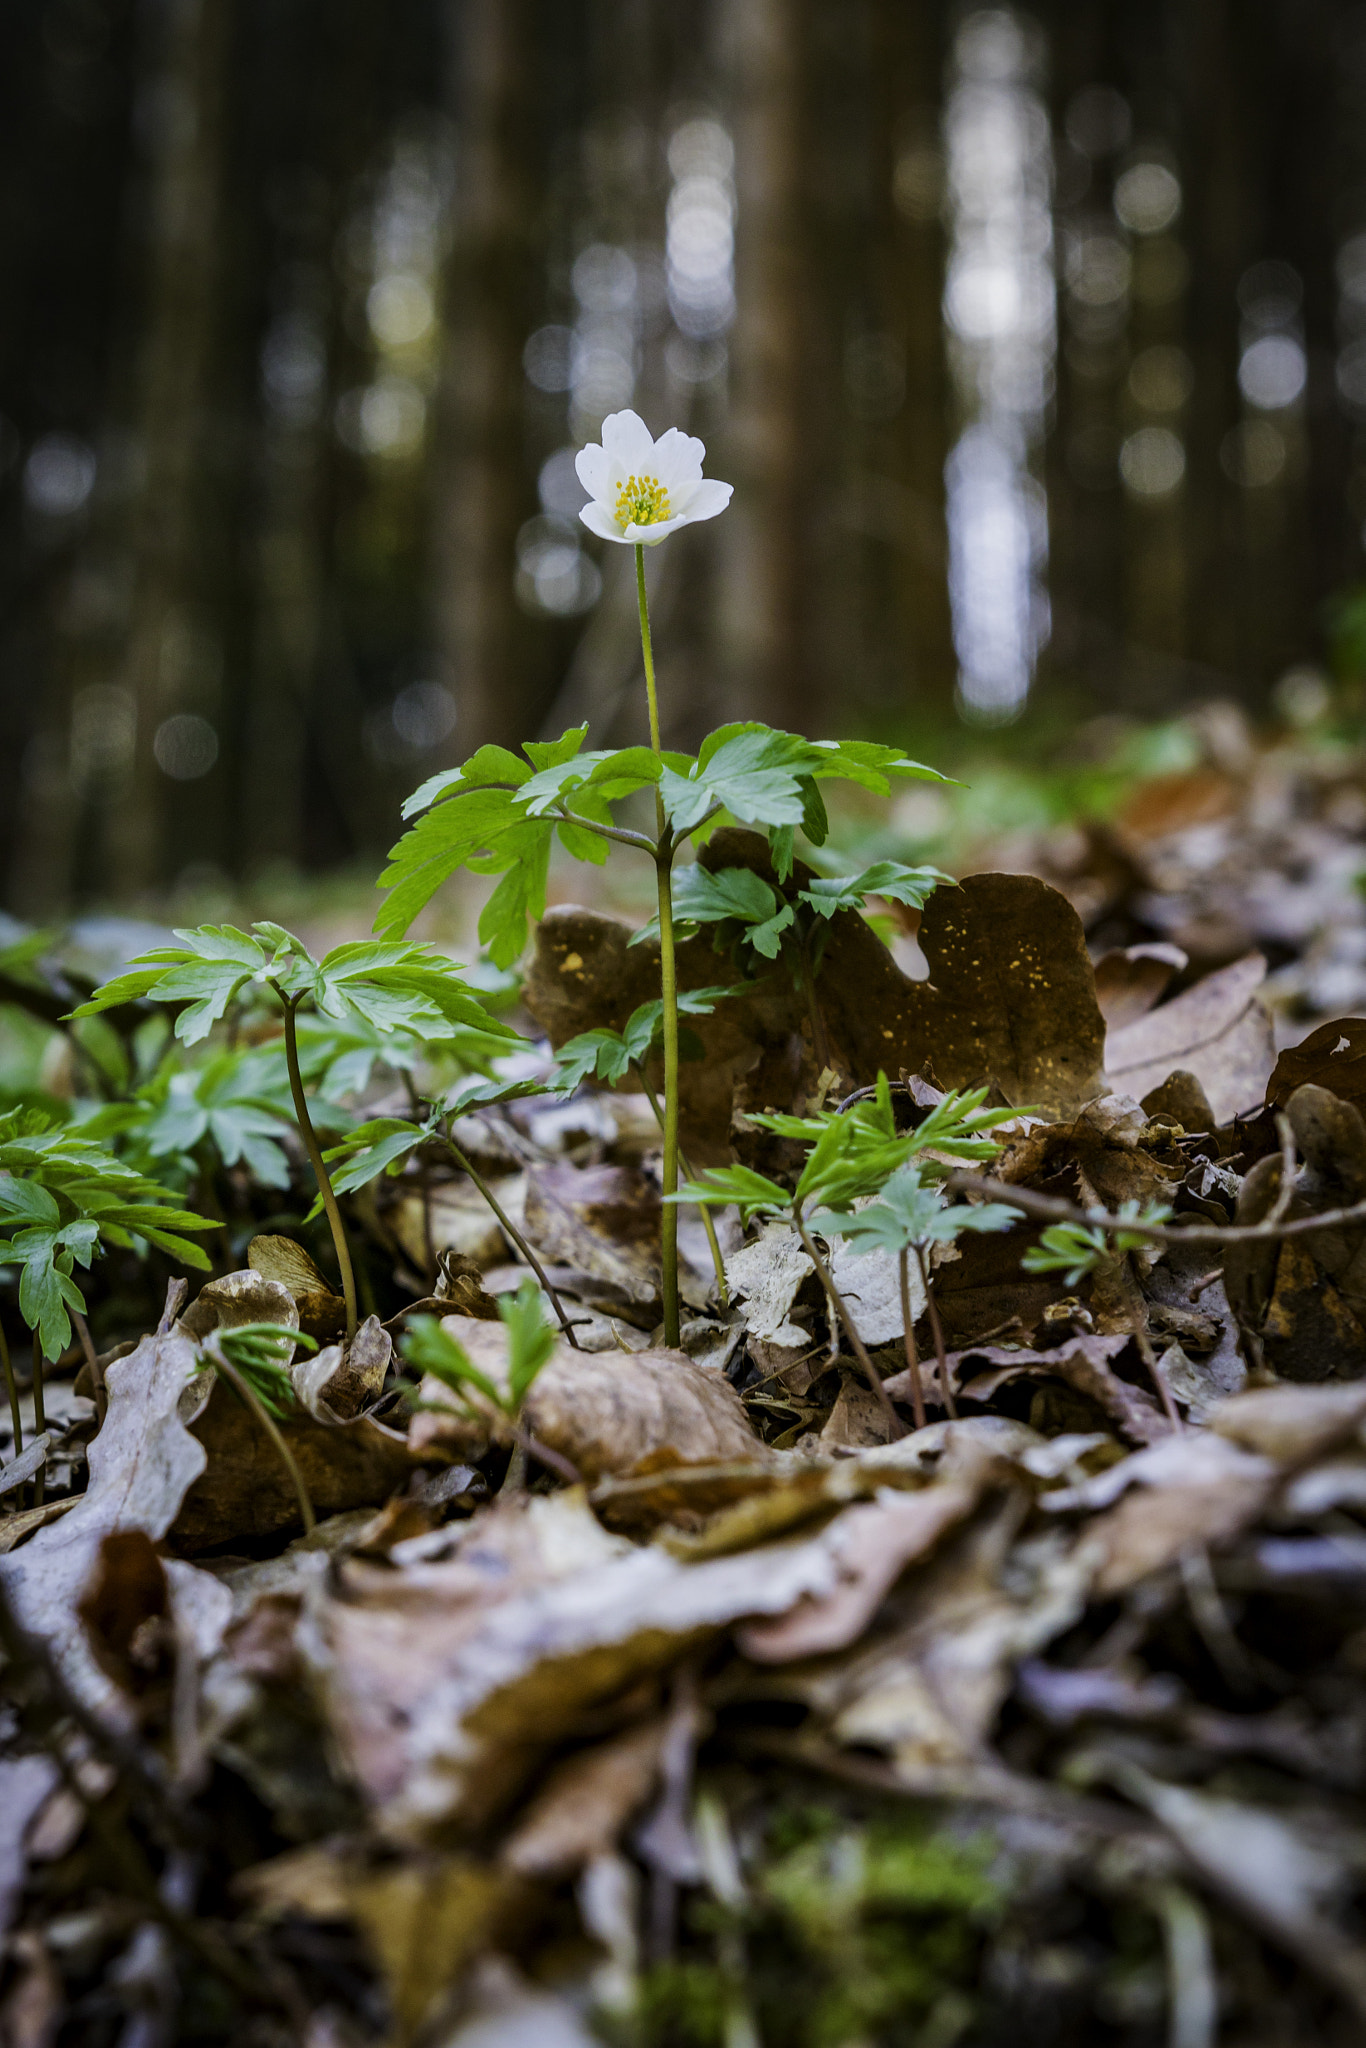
(585, 1803)
(1216, 1030)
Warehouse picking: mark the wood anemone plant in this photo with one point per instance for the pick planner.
(856, 1154)
(498, 814)
(387, 986)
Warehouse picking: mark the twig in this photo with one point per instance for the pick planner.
(940, 1350)
(1052, 1209)
(96, 1369)
(552, 1460)
(1206, 1280)
(39, 1417)
(511, 1231)
(12, 1389)
(242, 1385)
(908, 1339)
(1138, 1324)
(840, 1306)
(1286, 1189)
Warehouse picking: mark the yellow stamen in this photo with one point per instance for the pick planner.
(642, 501)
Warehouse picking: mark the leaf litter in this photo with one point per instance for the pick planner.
(662, 1693)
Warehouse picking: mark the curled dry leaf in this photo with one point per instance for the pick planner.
(1083, 1363)
(585, 1803)
(244, 1490)
(238, 1298)
(1333, 1057)
(1217, 1031)
(142, 1464)
(622, 1412)
(443, 1703)
(872, 1546)
(336, 1383)
(322, 1311)
(1131, 979)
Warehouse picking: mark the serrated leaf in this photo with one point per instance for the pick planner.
(373, 1148)
(913, 886)
(754, 1194)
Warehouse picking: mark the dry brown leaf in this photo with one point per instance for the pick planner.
(446, 1683)
(1292, 1425)
(245, 1493)
(1130, 979)
(622, 1412)
(1194, 1491)
(1333, 1057)
(142, 1464)
(1217, 1031)
(238, 1298)
(1082, 1363)
(600, 1220)
(585, 1803)
(872, 1546)
(424, 1919)
(322, 1311)
(337, 1382)
(928, 1690)
(25, 1784)
(458, 1217)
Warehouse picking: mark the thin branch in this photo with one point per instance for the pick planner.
(940, 1349)
(240, 1384)
(96, 1369)
(12, 1389)
(1052, 1209)
(841, 1308)
(1286, 1191)
(39, 1416)
(512, 1232)
(908, 1339)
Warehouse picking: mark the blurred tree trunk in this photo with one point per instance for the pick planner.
(490, 294)
(763, 566)
(185, 110)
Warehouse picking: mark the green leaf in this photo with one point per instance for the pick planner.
(531, 1340)
(887, 878)
(261, 1354)
(911, 1212)
(752, 1193)
(476, 1092)
(433, 1350)
(611, 1054)
(373, 1148)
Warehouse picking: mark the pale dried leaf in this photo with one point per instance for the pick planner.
(1217, 1031)
(585, 1803)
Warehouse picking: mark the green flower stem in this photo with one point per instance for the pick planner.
(912, 1353)
(511, 1231)
(668, 979)
(12, 1389)
(241, 1385)
(315, 1160)
(717, 1262)
(39, 1415)
(841, 1308)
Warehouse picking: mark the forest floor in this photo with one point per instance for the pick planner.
(713, 1697)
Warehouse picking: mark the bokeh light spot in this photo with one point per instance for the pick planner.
(185, 746)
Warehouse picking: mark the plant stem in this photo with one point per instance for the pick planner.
(717, 1262)
(941, 1354)
(668, 978)
(912, 1353)
(242, 1385)
(12, 1389)
(315, 1160)
(96, 1370)
(39, 1415)
(838, 1303)
(512, 1232)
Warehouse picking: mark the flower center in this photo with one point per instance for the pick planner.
(642, 501)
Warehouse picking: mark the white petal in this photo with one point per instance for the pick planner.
(651, 536)
(678, 459)
(599, 520)
(707, 500)
(593, 467)
(628, 443)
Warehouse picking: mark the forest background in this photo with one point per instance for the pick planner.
(1035, 347)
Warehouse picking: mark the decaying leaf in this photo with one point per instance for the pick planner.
(322, 1311)
(585, 1803)
(26, 1782)
(1216, 1030)
(602, 1221)
(1084, 1363)
(1333, 1057)
(142, 1464)
(1131, 979)
(622, 1412)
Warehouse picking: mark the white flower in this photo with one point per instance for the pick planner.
(643, 489)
